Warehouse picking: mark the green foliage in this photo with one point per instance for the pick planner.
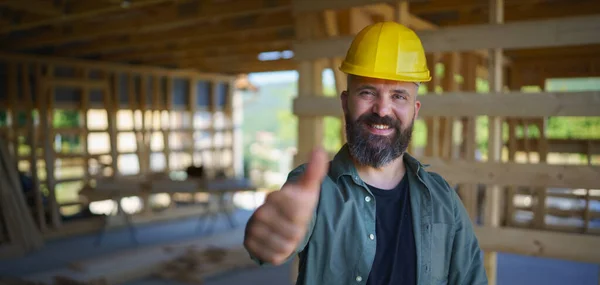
(3, 118)
(331, 134)
(65, 119)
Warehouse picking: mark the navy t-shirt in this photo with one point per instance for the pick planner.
(395, 256)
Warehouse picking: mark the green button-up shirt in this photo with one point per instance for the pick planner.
(339, 247)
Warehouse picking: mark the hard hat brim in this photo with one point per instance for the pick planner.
(405, 76)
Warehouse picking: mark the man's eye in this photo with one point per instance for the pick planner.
(399, 96)
(366, 93)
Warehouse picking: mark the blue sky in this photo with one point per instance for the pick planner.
(263, 78)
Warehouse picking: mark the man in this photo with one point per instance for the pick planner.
(373, 215)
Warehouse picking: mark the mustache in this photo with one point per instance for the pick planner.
(374, 119)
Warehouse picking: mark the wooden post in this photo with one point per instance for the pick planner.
(46, 103)
(84, 108)
(469, 193)
(145, 146)
(492, 215)
(433, 126)
(341, 81)
(111, 102)
(540, 209)
(13, 141)
(214, 99)
(193, 91)
(452, 68)
(168, 127)
(33, 140)
(310, 129)
(402, 15)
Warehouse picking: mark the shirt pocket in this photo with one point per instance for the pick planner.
(441, 250)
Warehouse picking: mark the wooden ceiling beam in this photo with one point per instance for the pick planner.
(39, 7)
(174, 16)
(267, 23)
(515, 35)
(220, 53)
(556, 52)
(416, 6)
(538, 12)
(249, 67)
(80, 11)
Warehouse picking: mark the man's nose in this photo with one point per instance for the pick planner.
(382, 107)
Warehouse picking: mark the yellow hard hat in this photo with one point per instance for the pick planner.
(387, 50)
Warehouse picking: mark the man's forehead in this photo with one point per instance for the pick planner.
(362, 80)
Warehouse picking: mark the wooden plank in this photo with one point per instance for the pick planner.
(493, 192)
(275, 26)
(301, 6)
(167, 18)
(540, 175)
(32, 138)
(46, 103)
(38, 7)
(523, 34)
(574, 247)
(111, 103)
(513, 104)
(78, 15)
(76, 83)
(562, 145)
(108, 67)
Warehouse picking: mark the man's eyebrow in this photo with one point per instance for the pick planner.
(400, 91)
(366, 86)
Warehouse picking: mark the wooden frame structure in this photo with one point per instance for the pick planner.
(510, 44)
(185, 117)
(462, 50)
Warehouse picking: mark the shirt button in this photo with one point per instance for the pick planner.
(368, 199)
(372, 236)
(358, 278)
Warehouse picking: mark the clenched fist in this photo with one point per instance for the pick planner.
(280, 224)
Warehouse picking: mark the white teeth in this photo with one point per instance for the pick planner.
(381, 127)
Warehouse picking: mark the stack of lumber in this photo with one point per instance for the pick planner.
(135, 264)
(16, 217)
(197, 265)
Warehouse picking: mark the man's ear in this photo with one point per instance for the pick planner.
(344, 97)
(417, 108)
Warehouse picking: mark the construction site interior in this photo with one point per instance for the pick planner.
(138, 136)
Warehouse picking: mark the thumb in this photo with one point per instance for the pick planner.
(315, 171)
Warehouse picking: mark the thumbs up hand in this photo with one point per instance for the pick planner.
(278, 226)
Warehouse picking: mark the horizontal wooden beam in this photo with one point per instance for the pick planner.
(98, 9)
(568, 246)
(249, 67)
(300, 6)
(40, 7)
(581, 146)
(556, 9)
(455, 104)
(516, 174)
(229, 52)
(525, 34)
(206, 45)
(228, 31)
(112, 67)
(77, 83)
(175, 16)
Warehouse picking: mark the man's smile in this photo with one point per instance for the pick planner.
(380, 129)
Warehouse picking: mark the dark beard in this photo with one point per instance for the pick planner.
(376, 150)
